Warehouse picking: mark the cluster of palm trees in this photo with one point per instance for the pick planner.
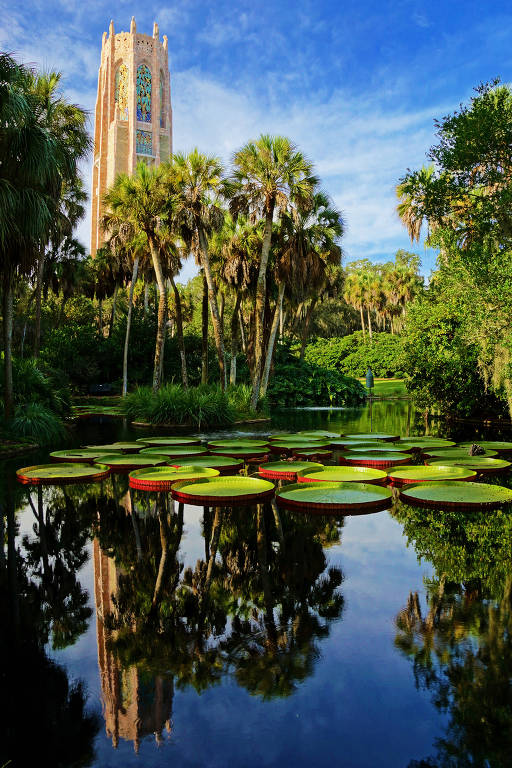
(42, 140)
(383, 291)
(261, 232)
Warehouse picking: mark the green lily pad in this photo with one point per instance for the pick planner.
(454, 453)
(240, 453)
(238, 444)
(163, 478)
(290, 445)
(319, 433)
(379, 460)
(296, 438)
(457, 495)
(175, 451)
(481, 464)
(492, 445)
(286, 469)
(61, 473)
(424, 441)
(334, 497)
(377, 449)
(373, 436)
(345, 444)
(309, 455)
(80, 455)
(224, 464)
(120, 447)
(421, 474)
(342, 474)
(124, 461)
(228, 491)
(169, 440)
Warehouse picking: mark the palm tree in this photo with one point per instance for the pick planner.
(269, 174)
(36, 158)
(193, 183)
(142, 201)
(354, 293)
(411, 194)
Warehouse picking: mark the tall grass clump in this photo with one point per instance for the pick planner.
(203, 406)
(37, 422)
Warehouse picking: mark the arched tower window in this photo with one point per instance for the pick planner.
(143, 94)
(162, 100)
(121, 91)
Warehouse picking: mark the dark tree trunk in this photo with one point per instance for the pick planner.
(7, 318)
(38, 294)
(305, 328)
(179, 331)
(129, 325)
(234, 339)
(204, 334)
(260, 303)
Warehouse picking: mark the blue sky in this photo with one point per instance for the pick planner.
(356, 84)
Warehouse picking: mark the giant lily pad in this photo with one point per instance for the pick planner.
(482, 465)
(424, 442)
(286, 470)
(345, 444)
(377, 449)
(373, 436)
(244, 444)
(289, 446)
(492, 445)
(60, 473)
(120, 447)
(334, 497)
(406, 474)
(456, 495)
(312, 455)
(296, 438)
(175, 452)
(163, 478)
(225, 491)
(318, 433)
(78, 455)
(376, 460)
(120, 462)
(342, 474)
(224, 464)
(241, 453)
(453, 453)
(169, 440)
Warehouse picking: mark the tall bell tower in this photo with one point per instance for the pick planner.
(133, 111)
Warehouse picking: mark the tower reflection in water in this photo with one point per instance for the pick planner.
(253, 608)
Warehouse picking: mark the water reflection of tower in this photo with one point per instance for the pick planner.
(135, 703)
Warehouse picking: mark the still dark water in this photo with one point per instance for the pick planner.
(157, 635)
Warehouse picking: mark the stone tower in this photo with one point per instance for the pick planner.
(133, 111)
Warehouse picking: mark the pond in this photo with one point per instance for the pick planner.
(152, 633)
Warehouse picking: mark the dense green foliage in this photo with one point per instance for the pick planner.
(464, 198)
(352, 355)
(205, 406)
(297, 383)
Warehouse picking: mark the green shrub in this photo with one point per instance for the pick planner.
(352, 355)
(35, 421)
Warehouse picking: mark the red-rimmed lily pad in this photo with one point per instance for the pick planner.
(77, 455)
(482, 465)
(170, 440)
(412, 474)
(119, 447)
(176, 451)
(377, 449)
(290, 446)
(453, 453)
(244, 444)
(223, 491)
(246, 454)
(286, 470)
(318, 433)
(312, 455)
(373, 436)
(348, 498)
(379, 460)
(122, 462)
(163, 478)
(60, 473)
(344, 444)
(492, 445)
(296, 438)
(424, 442)
(225, 464)
(343, 474)
(455, 495)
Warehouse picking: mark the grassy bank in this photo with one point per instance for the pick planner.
(197, 407)
(388, 388)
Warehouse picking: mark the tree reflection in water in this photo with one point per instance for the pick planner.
(461, 644)
(41, 599)
(253, 608)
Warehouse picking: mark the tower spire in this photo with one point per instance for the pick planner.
(133, 26)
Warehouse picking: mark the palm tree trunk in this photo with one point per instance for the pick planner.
(204, 333)
(369, 324)
(242, 332)
(113, 313)
(281, 321)
(261, 298)
(146, 298)
(129, 325)
(362, 322)
(222, 304)
(271, 341)
(160, 332)
(7, 318)
(234, 339)
(179, 332)
(100, 314)
(305, 328)
(39, 291)
(214, 307)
